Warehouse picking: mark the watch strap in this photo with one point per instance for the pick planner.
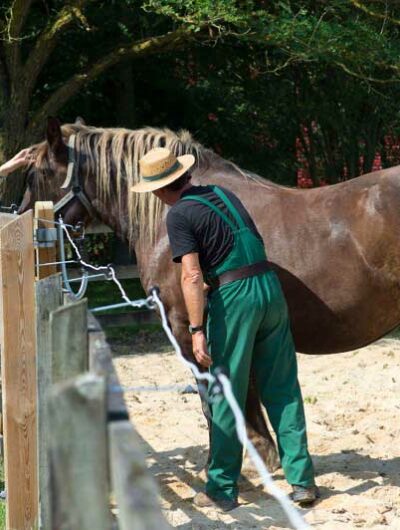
(195, 329)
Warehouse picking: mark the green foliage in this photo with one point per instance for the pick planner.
(247, 78)
(2, 515)
(198, 13)
(98, 246)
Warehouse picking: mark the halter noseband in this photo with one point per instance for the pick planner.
(72, 181)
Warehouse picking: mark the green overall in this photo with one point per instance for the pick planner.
(248, 325)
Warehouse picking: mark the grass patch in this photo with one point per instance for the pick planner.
(311, 400)
(137, 339)
(2, 515)
(105, 293)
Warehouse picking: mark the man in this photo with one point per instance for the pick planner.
(215, 239)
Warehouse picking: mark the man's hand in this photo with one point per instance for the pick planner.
(200, 349)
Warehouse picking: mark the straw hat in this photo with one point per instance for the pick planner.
(159, 167)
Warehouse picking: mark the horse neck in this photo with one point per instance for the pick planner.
(110, 213)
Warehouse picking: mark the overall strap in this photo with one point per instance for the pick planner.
(212, 206)
(232, 210)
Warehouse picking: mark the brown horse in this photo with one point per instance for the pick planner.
(336, 249)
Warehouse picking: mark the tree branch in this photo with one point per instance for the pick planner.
(366, 77)
(47, 41)
(12, 31)
(162, 43)
(18, 13)
(381, 16)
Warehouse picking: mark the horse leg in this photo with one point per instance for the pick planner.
(179, 328)
(256, 424)
(258, 429)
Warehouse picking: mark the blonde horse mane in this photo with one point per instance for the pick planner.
(117, 152)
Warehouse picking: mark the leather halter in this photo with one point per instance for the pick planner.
(72, 181)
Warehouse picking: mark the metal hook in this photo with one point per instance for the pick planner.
(85, 280)
(79, 229)
(109, 272)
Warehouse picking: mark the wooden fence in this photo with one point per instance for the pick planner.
(69, 446)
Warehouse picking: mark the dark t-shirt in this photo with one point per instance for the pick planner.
(195, 227)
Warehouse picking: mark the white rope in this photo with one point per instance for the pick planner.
(110, 270)
(292, 513)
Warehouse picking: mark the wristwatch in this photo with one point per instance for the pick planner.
(195, 329)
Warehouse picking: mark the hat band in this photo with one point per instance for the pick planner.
(165, 173)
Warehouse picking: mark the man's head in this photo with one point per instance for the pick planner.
(162, 173)
(172, 193)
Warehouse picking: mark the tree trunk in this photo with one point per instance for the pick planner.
(125, 95)
(12, 139)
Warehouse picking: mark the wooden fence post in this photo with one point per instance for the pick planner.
(44, 211)
(4, 219)
(69, 340)
(18, 367)
(100, 362)
(134, 488)
(78, 455)
(48, 299)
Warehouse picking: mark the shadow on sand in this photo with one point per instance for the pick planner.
(180, 473)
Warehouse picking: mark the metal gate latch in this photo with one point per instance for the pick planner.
(45, 237)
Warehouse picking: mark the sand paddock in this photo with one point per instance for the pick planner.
(353, 414)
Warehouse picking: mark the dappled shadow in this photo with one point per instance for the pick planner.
(180, 474)
(356, 466)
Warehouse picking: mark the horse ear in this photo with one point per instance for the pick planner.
(79, 121)
(53, 134)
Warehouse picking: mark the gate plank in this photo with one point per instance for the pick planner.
(44, 211)
(48, 299)
(18, 361)
(78, 454)
(69, 340)
(134, 488)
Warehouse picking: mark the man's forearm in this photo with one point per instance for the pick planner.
(193, 293)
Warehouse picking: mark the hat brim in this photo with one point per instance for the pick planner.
(186, 162)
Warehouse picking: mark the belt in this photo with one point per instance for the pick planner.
(247, 271)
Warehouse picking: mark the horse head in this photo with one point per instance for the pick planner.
(55, 174)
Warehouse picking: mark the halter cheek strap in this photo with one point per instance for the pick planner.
(72, 181)
(71, 162)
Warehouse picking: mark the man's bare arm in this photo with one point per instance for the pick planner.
(193, 292)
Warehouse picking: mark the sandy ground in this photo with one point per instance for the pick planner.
(353, 414)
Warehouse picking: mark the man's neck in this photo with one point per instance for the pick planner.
(187, 187)
(179, 193)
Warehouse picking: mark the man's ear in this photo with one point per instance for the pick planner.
(54, 136)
